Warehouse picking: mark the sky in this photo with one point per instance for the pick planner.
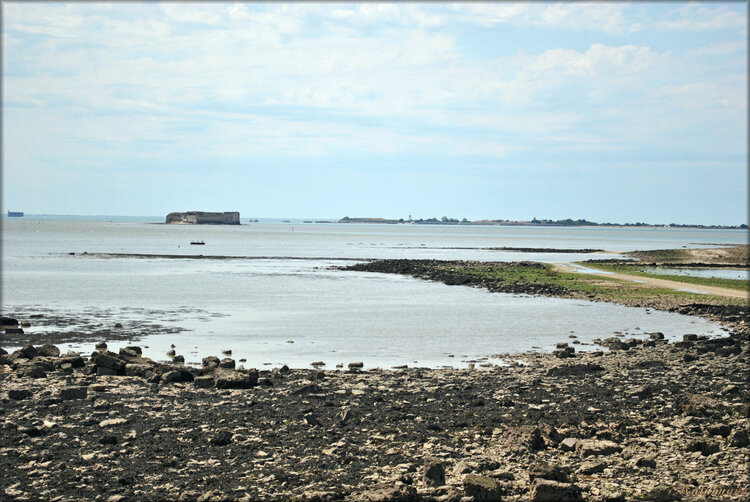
(612, 112)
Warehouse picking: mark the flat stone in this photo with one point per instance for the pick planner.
(230, 379)
(589, 447)
(111, 422)
(569, 444)
(204, 382)
(68, 393)
(19, 394)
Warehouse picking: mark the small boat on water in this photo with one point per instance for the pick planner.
(197, 243)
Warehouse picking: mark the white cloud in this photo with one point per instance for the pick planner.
(696, 17)
(605, 17)
(722, 48)
(314, 78)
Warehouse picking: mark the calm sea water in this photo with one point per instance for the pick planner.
(283, 289)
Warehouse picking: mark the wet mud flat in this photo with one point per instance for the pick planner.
(90, 325)
(642, 420)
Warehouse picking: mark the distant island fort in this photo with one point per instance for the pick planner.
(204, 218)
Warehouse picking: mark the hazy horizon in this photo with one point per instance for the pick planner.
(610, 112)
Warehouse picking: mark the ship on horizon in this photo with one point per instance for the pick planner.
(15, 214)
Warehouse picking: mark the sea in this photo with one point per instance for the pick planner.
(271, 291)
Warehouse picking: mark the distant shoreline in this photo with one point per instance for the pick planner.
(532, 223)
(386, 221)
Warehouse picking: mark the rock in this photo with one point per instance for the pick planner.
(109, 439)
(529, 437)
(589, 447)
(138, 369)
(706, 447)
(614, 343)
(8, 321)
(204, 382)
(221, 438)
(318, 496)
(19, 394)
(434, 472)
(543, 490)
(564, 352)
(227, 363)
(177, 375)
(28, 351)
(32, 371)
(722, 430)
(738, 438)
(663, 494)
(306, 389)
(112, 422)
(48, 350)
(14, 331)
(569, 444)
(482, 488)
(134, 348)
(389, 493)
(104, 371)
(109, 360)
(644, 462)
(129, 353)
(231, 379)
(548, 471)
(211, 362)
(75, 360)
(68, 393)
(345, 416)
(356, 366)
(101, 346)
(657, 335)
(178, 359)
(588, 468)
(31, 431)
(574, 369)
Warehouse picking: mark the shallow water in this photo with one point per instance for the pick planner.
(255, 306)
(715, 273)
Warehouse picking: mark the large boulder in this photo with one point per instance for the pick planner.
(176, 374)
(109, 360)
(48, 350)
(434, 472)
(544, 490)
(28, 352)
(482, 488)
(232, 379)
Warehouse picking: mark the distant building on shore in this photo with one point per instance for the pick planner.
(204, 218)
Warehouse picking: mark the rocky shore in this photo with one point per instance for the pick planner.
(639, 420)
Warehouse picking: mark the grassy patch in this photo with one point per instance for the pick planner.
(638, 270)
(585, 285)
